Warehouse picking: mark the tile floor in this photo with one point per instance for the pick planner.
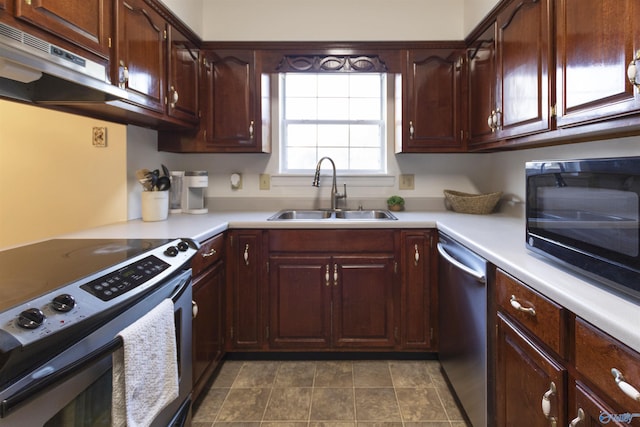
(392, 393)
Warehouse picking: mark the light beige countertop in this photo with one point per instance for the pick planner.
(499, 238)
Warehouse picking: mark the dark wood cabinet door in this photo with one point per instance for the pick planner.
(596, 40)
(208, 291)
(245, 296)
(525, 378)
(233, 115)
(481, 86)
(433, 109)
(141, 54)
(85, 23)
(182, 78)
(416, 309)
(524, 55)
(363, 314)
(299, 301)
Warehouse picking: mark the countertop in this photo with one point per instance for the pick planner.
(498, 237)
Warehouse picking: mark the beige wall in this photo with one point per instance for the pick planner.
(53, 180)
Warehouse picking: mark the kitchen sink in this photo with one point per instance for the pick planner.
(321, 214)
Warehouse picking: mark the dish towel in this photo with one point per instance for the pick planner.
(145, 368)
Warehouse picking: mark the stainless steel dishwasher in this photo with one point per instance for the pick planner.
(463, 325)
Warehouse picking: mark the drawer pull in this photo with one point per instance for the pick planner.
(515, 304)
(245, 255)
(626, 388)
(212, 252)
(416, 256)
(577, 420)
(335, 274)
(546, 403)
(194, 309)
(327, 278)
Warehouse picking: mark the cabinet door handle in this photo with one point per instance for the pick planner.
(490, 121)
(194, 309)
(335, 274)
(574, 422)
(251, 129)
(327, 277)
(246, 254)
(498, 119)
(212, 252)
(626, 388)
(632, 70)
(123, 75)
(416, 256)
(411, 130)
(516, 304)
(546, 403)
(174, 97)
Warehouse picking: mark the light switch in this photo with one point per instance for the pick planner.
(406, 182)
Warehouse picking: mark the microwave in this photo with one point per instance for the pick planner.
(585, 214)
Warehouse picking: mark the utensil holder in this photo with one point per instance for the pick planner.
(155, 205)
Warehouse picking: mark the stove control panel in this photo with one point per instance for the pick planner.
(75, 302)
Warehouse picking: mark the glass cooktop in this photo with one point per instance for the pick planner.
(30, 271)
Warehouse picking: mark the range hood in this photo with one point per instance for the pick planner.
(33, 70)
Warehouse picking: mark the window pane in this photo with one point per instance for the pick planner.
(364, 109)
(301, 109)
(366, 85)
(365, 158)
(333, 135)
(301, 85)
(331, 85)
(340, 156)
(365, 136)
(333, 108)
(301, 135)
(301, 158)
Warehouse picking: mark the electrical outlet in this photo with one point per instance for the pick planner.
(265, 181)
(99, 136)
(407, 182)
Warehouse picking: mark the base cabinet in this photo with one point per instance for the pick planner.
(333, 299)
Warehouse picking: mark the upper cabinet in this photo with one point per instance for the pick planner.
(85, 23)
(141, 53)
(432, 105)
(237, 113)
(182, 77)
(509, 79)
(596, 40)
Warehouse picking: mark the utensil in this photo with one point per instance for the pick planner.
(163, 183)
(143, 178)
(165, 170)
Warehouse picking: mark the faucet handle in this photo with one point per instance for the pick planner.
(343, 195)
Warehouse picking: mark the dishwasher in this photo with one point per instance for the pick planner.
(462, 290)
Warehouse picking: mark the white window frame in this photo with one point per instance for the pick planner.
(382, 123)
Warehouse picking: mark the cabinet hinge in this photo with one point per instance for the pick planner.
(395, 333)
(230, 238)
(109, 42)
(553, 111)
(395, 267)
(164, 34)
(431, 334)
(231, 333)
(431, 241)
(166, 101)
(267, 266)
(267, 333)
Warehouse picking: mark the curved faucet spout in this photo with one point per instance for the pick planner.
(334, 187)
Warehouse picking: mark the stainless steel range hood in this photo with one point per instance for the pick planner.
(34, 70)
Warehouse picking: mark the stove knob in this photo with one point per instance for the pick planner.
(63, 303)
(31, 318)
(183, 246)
(171, 251)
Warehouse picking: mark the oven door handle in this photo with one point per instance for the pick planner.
(23, 396)
(35, 388)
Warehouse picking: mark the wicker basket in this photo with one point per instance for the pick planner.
(471, 203)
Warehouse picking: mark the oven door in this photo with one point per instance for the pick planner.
(75, 388)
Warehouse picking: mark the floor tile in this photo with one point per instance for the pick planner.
(376, 404)
(334, 374)
(420, 404)
(244, 404)
(332, 404)
(256, 374)
(289, 404)
(210, 405)
(371, 374)
(410, 374)
(227, 374)
(295, 374)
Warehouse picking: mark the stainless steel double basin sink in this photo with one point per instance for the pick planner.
(328, 214)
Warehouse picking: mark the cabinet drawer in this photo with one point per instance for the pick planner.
(361, 241)
(535, 312)
(210, 252)
(598, 355)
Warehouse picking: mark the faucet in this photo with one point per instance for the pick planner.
(334, 187)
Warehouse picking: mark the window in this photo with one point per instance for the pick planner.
(340, 115)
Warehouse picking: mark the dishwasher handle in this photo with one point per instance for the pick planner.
(479, 276)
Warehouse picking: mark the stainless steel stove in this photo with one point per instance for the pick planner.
(63, 301)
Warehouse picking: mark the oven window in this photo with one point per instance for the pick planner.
(91, 408)
(604, 217)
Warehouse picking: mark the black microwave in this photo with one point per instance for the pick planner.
(586, 215)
